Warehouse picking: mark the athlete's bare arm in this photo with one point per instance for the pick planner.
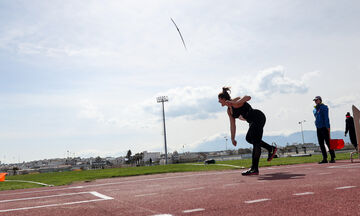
(232, 127)
(238, 102)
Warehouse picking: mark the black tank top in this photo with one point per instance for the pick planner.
(244, 110)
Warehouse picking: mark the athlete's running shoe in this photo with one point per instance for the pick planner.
(250, 172)
(323, 161)
(272, 154)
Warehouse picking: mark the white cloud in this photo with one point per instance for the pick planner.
(273, 80)
(346, 100)
(91, 111)
(308, 76)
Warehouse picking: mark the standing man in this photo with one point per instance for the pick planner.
(321, 113)
(350, 127)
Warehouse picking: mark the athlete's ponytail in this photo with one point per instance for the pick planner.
(225, 93)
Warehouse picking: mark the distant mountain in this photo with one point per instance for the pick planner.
(219, 143)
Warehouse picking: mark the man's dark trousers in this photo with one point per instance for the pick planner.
(324, 136)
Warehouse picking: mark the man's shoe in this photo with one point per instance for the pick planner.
(323, 161)
(332, 161)
(272, 154)
(250, 172)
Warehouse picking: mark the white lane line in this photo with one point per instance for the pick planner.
(41, 197)
(192, 189)
(193, 210)
(78, 187)
(51, 205)
(325, 173)
(163, 215)
(229, 185)
(302, 194)
(229, 165)
(344, 166)
(142, 195)
(270, 168)
(102, 198)
(256, 201)
(32, 182)
(40, 191)
(345, 187)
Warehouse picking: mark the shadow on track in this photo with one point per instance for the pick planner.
(281, 176)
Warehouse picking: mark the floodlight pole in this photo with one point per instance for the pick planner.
(226, 139)
(161, 100)
(302, 133)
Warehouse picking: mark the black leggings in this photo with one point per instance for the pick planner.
(324, 137)
(254, 136)
(353, 140)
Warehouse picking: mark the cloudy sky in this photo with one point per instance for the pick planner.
(83, 76)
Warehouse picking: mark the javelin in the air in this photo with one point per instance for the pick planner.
(179, 33)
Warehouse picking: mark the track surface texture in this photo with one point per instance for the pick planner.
(304, 189)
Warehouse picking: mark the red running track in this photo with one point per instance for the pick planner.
(306, 189)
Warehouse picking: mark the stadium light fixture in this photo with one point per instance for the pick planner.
(162, 100)
(302, 133)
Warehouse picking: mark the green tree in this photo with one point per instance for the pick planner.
(128, 156)
(15, 169)
(98, 159)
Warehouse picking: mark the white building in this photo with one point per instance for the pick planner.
(154, 156)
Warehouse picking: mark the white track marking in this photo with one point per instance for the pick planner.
(32, 182)
(101, 196)
(192, 189)
(240, 167)
(78, 187)
(142, 195)
(193, 210)
(302, 194)
(229, 165)
(325, 173)
(345, 187)
(344, 166)
(229, 185)
(163, 215)
(42, 197)
(256, 201)
(40, 191)
(51, 205)
(271, 168)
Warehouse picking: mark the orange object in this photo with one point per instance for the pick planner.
(2, 176)
(336, 144)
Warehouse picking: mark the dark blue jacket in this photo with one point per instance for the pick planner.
(321, 113)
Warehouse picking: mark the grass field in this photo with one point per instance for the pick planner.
(66, 178)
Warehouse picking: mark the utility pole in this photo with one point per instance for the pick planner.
(161, 100)
(226, 139)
